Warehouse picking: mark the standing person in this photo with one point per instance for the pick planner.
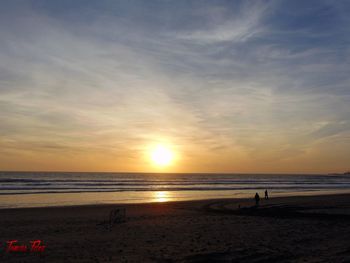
(257, 199)
(266, 194)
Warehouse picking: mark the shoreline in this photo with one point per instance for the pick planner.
(248, 202)
(196, 199)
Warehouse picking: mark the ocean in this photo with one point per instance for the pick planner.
(37, 189)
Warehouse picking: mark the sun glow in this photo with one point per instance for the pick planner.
(161, 155)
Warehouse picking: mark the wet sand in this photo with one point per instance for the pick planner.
(285, 229)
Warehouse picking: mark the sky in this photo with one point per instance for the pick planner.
(228, 86)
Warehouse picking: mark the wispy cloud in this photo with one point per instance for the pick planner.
(228, 25)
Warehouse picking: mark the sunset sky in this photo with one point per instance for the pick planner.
(227, 86)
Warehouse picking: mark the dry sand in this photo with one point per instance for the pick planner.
(289, 229)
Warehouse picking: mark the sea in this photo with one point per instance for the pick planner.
(42, 189)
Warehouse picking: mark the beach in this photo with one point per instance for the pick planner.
(282, 229)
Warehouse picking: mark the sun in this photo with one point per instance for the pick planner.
(161, 155)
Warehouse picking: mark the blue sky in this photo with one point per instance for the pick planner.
(234, 86)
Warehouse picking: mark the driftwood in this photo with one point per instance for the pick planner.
(116, 216)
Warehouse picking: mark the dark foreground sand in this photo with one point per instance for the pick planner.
(293, 229)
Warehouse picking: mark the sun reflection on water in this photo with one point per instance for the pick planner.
(161, 196)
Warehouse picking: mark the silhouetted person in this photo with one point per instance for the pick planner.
(266, 194)
(257, 199)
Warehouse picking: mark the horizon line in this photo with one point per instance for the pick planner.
(214, 173)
